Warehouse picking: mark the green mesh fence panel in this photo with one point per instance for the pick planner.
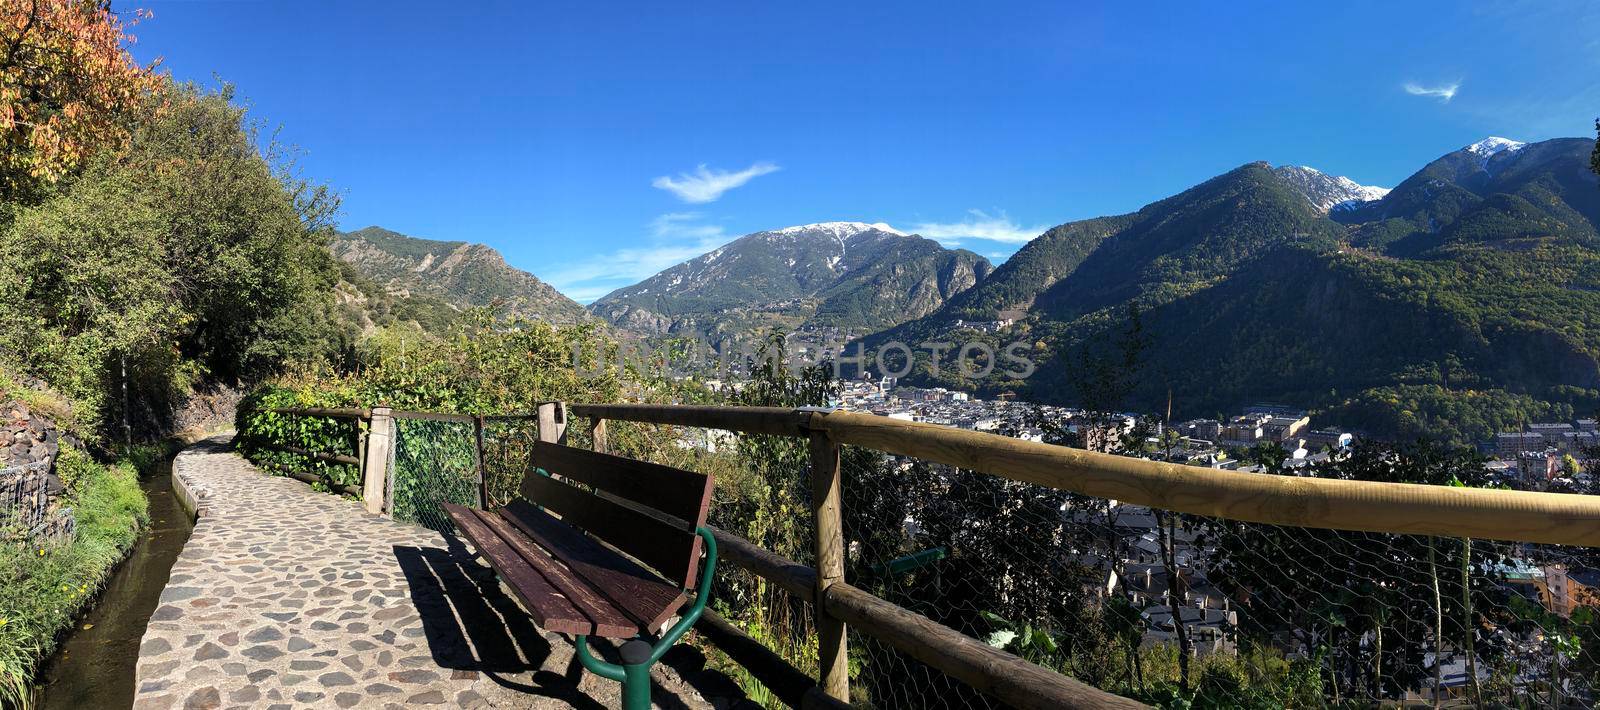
(437, 462)
(434, 463)
(507, 454)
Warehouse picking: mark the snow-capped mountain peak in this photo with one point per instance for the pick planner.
(1327, 192)
(1488, 147)
(839, 230)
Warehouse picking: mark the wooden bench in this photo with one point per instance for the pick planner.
(604, 546)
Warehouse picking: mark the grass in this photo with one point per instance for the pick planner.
(802, 655)
(44, 588)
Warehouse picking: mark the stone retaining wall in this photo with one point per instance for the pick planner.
(30, 492)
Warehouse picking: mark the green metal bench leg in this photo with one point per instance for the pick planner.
(634, 676)
(636, 682)
(638, 655)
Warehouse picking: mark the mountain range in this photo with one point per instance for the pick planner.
(853, 277)
(845, 278)
(1463, 301)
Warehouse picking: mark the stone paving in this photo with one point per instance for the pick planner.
(285, 597)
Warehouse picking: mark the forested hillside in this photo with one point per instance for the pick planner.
(423, 274)
(1461, 303)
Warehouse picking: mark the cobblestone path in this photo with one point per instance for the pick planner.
(285, 597)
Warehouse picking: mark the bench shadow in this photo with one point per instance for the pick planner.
(685, 660)
(712, 685)
(607, 650)
(472, 625)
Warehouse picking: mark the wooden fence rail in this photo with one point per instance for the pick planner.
(360, 419)
(1366, 506)
(299, 475)
(318, 455)
(748, 420)
(327, 412)
(1278, 500)
(1398, 508)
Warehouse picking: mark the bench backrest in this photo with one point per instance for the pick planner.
(657, 524)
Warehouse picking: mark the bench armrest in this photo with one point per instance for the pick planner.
(702, 595)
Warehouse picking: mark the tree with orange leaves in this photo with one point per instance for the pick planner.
(68, 87)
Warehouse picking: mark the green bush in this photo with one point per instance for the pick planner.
(192, 255)
(485, 365)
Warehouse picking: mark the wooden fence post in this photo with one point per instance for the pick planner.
(832, 653)
(553, 422)
(483, 485)
(375, 460)
(597, 434)
(360, 424)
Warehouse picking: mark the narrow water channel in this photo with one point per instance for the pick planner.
(94, 668)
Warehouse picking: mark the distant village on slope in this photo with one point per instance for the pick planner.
(1526, 460)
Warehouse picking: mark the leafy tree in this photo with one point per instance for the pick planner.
(1594, 158)
(68, 88)
(190, 255)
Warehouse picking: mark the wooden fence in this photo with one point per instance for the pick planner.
(373, 432)
(1278, 500)
(360, 425)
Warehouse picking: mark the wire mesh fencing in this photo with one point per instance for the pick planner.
(1165, 607)
(437, 458)
(507, 455)
(458, 461)
(435, 462)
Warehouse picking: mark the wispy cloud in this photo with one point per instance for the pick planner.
(706, 185)
(979, 225)
(675, 237)
(679, 225)
(1442, 92)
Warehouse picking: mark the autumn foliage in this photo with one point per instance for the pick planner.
(68, 87)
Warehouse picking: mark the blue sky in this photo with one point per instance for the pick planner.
(571, 136)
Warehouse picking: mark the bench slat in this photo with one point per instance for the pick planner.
(685, 495)
(608, 620)
(549, 608)
(635, 590)
(673, 552)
